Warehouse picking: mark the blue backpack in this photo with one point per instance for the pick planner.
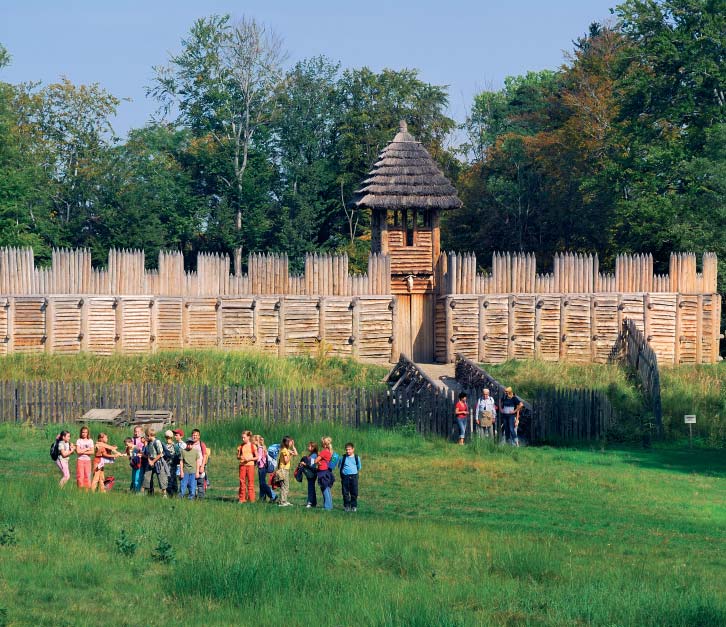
(272, 453)
(334, 461)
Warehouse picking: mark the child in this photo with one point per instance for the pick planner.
(65, 450)
(84, 450)
(349, 468)
(103, 454)
(191, 462)
(307, 464)
(156, 465)
(287, 452)
(247, 456)
(265, 490)
(136, 459)
(325, 477)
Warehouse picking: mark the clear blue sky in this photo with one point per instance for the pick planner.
(468, 45)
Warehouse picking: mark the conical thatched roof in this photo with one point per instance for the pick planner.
(406, 177)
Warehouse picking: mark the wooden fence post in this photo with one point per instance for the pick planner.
(355, 327)
(49, 324)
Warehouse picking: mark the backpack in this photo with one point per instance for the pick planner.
(342, 463)
(55, 449)
(272, 454)
(334, 461)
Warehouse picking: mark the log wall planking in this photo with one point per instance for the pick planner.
(579, 328)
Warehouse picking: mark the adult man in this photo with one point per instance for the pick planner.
(486, 414)
(511, 406)
(202, 480)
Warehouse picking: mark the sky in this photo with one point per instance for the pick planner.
(468, 45)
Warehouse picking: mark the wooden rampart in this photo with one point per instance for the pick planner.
(356, 326)
(72, 272)
(680, 328)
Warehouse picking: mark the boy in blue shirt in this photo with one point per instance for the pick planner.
(349, 468)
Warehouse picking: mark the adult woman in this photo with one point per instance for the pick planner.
(65, 450)
(284, 459)
(461, 410)
(325, 477)
(84, 450)
(511, 406)
(266, 491)
(486, 414)
(247, 456)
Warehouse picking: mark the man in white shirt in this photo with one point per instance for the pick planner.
(486, 414)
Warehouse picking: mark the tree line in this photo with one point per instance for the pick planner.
(622, 149)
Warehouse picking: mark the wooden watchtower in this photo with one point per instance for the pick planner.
(405, 192)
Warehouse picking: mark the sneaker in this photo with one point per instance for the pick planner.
(309, 505)
(353, 509)
(347, 509)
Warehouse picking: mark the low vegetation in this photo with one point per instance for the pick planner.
(246, 368)
(444, 535)
(699, 390)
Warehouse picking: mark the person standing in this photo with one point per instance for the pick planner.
(156, 465)
(247, 456)
(136, 459)
(307, 464)
(325, 477)
(266, 491)
(511, 406)
(84, 450)
(486, 414)
(190, 463)
(461, 411)
(349, 470)
(65, 450)
(205, 452)
(103, 452)
(177, 447)
(284, 460)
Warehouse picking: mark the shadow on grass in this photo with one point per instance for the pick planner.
(707, 462)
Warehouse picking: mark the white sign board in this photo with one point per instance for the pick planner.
(689, 419)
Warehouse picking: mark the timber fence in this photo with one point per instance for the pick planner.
(54, 402)
(552, 415)
(633, 348)
(572, 273)
(71, 272)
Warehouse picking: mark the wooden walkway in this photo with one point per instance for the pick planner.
(441, 374)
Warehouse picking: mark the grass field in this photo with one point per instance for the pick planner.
(210, 367)
(444, 535)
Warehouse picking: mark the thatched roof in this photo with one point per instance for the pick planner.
(406, 177)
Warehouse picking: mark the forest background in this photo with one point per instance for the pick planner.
(621, 149)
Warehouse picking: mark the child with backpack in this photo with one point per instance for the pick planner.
(265, 466)
(156, 465)
(189, 467)
(61, 450)
(307, 466)
(136, 458)
(349, 469)
(325, 463)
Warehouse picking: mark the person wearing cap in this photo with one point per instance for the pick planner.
(191, 461)
(172, 453)
(510, 407)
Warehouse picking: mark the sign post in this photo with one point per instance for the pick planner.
(690, 420)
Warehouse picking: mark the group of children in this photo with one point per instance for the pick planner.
(178, 467)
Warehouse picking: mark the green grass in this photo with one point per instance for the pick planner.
(198, 367)
(699, 390)
(445, 535)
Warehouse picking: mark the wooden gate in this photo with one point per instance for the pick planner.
(415, 326)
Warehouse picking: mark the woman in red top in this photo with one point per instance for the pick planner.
(462, 416)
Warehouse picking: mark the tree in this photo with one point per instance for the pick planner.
(224, 83)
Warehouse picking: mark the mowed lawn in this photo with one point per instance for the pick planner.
(444, 535)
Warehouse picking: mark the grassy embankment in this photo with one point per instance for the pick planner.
(699, 390)
(445, 535)
(196, 367)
